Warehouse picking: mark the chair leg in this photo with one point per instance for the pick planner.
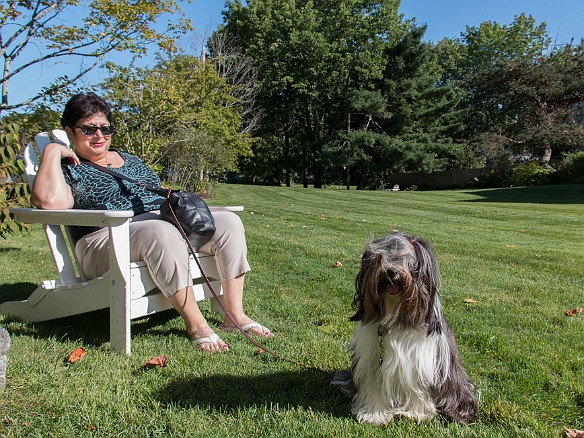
(120, 289)
(215, 307)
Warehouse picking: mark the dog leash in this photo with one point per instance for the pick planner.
(216, 296)
(193, 253)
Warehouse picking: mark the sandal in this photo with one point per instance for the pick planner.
(246, 327)
(213, 339)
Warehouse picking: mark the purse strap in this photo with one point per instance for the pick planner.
(158, 190)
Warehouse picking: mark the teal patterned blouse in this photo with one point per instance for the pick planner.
(93, 189)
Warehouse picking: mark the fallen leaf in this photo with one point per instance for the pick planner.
(511, 246)
(259, 351)
(77, 354)
(470, 300)
(158, 361)
(337, 264)
(574, 433)
(573, 311)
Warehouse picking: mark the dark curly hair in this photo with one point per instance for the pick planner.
(84, 105)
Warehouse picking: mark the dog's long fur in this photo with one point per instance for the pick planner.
(404, 358)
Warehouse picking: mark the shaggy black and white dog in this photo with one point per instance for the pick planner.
(404, 358)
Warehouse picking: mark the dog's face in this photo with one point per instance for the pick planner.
(398, 282)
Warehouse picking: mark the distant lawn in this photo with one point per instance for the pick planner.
(517, 252)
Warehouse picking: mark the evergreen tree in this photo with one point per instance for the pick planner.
(413, 129)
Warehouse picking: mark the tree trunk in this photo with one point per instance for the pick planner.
(305, 170)
(318, 178)
(547, 156)
(348, 178)
(287, 157)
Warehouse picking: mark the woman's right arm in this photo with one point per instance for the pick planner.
(50, 191)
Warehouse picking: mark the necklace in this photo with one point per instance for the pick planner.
(107, 163)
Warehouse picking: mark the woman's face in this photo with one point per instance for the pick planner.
(91, 147)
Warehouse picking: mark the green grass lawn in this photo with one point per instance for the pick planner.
(517, 252)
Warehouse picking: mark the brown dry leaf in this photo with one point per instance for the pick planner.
(470, 301)
(158, 361)
(337, 264)
(574, 433)
(77, 354)
(522, 231)
(573, 311)
(259, 351)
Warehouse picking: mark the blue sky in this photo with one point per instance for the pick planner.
(448, 18)
(445, 18)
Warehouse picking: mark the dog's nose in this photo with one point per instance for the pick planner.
(391, 273)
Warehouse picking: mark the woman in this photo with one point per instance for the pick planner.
(65, 181)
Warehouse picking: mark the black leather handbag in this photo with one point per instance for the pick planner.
(181, 208)
(190, 211)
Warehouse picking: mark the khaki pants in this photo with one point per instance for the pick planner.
(159, 244)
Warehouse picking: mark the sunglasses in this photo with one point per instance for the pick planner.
(106, 130)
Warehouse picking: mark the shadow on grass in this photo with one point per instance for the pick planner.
(309, 389)
(554, 194)
(16, 291)
(92, 328)
(8, 249)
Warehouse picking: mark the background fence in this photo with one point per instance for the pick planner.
(444, 179)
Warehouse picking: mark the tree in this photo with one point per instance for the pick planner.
(308, 55)
(237, 70)
(39, 119)
(468, 63)
(534, 104)
(492, 44)
(38, 32)
(407, 123)
(193, 133)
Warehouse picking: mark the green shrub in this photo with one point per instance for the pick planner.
(13, 193)
(496, 177)
(574, 164)
(531, 174)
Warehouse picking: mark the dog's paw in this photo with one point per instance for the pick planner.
(378, 418)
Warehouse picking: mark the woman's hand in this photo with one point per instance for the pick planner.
(50, 191)
(63, 152)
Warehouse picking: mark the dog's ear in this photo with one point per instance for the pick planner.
(368, 299)
(426, 285)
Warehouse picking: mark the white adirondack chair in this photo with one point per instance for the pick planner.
(127, 289)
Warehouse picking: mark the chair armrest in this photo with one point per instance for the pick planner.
(233, 208)
(95, 218)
